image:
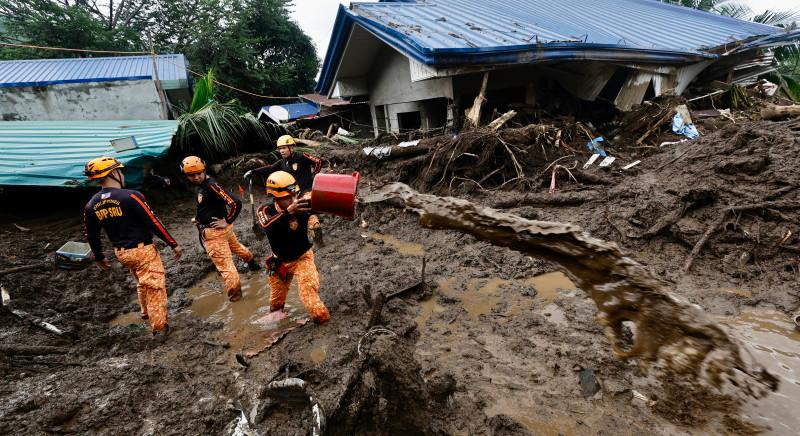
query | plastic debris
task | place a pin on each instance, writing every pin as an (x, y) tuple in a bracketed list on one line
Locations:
[(607, 161), (591, 160), (631, 165), (768, 88), (408, 143), (672, 142), (378, 152), (681, 128), (595, 148)]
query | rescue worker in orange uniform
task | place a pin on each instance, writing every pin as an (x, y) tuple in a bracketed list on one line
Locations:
[(285, 223), (302, 166), (216, 211), (130, 224)]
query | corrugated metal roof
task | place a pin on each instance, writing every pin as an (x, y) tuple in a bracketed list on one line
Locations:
[(321, 100), (53, 153), (281, 113), (39, 72), (465, 32)]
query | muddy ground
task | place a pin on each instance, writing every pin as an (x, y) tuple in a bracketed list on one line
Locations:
[(497, 343)]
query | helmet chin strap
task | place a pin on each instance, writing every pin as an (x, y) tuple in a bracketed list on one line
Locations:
[(114, 178)]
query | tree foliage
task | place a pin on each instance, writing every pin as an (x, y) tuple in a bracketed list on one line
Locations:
[(251, 44)]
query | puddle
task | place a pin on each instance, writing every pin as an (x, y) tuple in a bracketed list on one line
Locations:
[(402, 247), (548, 284), (771, 338), (317, 355), (130, 318), (427, 309), (247, 323)]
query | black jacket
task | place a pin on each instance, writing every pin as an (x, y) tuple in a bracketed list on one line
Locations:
[(213, 201), (287, 234), (126, 217), (302, 166)]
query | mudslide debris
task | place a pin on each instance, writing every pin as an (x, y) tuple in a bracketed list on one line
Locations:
[(674, 336)]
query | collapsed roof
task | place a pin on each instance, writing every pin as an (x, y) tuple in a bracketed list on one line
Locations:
[(442, 34)]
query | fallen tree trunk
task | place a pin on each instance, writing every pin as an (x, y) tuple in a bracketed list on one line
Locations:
[(773, 112)]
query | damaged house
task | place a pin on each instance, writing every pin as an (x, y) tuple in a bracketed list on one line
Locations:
[(421, 63), (100, 88)]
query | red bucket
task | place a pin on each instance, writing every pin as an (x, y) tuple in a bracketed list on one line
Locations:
[(335, 194)]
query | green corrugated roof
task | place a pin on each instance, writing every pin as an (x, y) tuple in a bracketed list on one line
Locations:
[(53, 153)]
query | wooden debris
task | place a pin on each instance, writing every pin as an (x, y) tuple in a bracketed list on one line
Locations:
[(506, 117), (474, 113), (773, 112)]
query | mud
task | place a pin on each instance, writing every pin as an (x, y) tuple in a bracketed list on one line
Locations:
[(494, 344), (675, 334)]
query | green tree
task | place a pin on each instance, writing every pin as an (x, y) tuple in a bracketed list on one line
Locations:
[(250, 44)]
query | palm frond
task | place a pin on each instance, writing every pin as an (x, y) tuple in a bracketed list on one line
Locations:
[(203, 92), (773, 17), (733, 9)]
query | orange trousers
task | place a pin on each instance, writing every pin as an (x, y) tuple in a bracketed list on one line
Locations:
[(148, 270), (220, 243), (308, 283)]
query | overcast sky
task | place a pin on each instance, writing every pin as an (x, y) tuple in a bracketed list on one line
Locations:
[(316, 16)]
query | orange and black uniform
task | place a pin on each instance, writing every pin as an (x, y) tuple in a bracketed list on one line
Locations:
[(302, 166), (213, 201), (288, 238), (130, 224)]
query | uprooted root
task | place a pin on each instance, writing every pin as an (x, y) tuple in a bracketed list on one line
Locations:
[(675, 335), (498, 159)]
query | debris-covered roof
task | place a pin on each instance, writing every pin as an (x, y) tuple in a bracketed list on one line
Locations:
[(53, 153), (468, 32), (281, 113), (41, 72), (321, 100)]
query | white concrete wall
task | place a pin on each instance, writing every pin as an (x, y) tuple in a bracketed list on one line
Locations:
[(120, 100), (390, 81), (390, 85)]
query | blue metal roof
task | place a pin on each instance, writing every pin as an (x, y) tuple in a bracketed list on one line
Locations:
[(289, 112), (39, 72), (464, 32), (53, 153)]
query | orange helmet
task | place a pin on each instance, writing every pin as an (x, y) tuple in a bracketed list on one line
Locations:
[(101, 167), (286, 141), (281, 184), (193, 165)]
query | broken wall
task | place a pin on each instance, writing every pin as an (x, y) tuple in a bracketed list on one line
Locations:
[(392, 93), (116, 100)]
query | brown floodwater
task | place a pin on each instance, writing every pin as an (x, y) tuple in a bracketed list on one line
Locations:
[(247, 325), (772, 339), (402, 247)]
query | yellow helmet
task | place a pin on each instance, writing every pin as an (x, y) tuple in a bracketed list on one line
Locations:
[(101, 167), (281, 184), (193, 165), (286, 141)]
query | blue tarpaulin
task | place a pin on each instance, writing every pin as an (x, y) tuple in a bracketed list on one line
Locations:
[(53, 153)]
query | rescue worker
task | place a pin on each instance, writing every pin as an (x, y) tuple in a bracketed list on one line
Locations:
[(302, 166), (216, 211), (130, 224), (285, 223)]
